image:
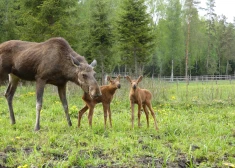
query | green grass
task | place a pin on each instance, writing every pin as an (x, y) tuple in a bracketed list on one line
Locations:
[(196, 129)]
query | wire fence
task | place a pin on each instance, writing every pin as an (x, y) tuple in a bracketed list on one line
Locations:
[(202, 78)]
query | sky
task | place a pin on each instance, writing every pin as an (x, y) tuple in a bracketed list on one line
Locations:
[(225, 7)]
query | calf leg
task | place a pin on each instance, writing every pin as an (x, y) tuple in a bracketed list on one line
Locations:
[(152, 113), (62, 94), (147, 114), (90, 115), (139, 114), (132, 114), (13, 82), (81, 112), (40, 84), (105, 108), (110, 116)]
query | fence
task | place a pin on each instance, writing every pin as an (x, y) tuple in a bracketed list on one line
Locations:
[(190, 78), (198, 78)]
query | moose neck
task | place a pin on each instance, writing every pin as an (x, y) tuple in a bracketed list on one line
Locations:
[(112, 89)]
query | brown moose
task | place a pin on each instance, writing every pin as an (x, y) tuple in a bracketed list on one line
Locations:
[(142, 97), (50, 62), (106, 98)]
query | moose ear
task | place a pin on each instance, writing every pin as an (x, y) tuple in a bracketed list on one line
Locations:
[(93, 64), (75, 61), (108, 78), (128, 78), (118, 77), (139, 79)]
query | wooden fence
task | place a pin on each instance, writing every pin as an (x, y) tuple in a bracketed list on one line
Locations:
[(190, 78)]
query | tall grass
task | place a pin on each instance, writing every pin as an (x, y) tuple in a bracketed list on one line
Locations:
[(196, 129)]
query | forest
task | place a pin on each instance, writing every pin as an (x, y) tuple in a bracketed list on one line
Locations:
[(150, 37)]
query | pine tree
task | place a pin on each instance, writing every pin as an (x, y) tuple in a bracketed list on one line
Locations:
[(7, 20), (42, 19), (211, 58), (190, 13), (135, 40), (101, 36)]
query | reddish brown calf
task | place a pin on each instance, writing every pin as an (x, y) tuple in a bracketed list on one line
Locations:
[(106, 98), (142, 97)]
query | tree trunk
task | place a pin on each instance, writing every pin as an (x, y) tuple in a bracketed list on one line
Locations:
[(227, 67), (187, 51), (136, 66), (172, 66), (219, 67), (102, 73)]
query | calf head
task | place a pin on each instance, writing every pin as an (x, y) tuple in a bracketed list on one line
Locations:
[(87, 80), (115, 83), (134, 83)]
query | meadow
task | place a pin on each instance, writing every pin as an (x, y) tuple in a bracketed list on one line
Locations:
[(196, 129)]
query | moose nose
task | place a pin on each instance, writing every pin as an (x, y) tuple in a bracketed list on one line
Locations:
[(96, 96), (118, 86), (134, 87)]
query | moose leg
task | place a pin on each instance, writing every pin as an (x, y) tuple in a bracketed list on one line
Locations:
[(132, 114), (139, 114), (90, 115), (81, 112), (110, 116), (62, 94), (13, 81), (152, 113), (147, 114), (40, 84), (105, 107)]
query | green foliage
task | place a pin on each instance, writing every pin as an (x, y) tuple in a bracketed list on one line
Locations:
[(7, 20), (134, 34), (138, 36), (96, 35), (101, 35), (41, 20)]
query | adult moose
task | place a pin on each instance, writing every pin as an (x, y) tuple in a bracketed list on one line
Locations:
[(50, 62)]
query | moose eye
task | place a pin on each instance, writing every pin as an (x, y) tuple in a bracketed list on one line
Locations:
[(84, 76)]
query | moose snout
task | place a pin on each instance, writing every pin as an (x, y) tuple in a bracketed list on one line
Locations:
[(134, 87), (94, 92), (119, 86), (97, 95)]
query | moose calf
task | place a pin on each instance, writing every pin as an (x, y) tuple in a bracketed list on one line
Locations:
[(106, 98), (142, 97)]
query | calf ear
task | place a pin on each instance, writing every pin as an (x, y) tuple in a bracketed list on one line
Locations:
[(128, 78), (93, 64), (108, 78), (139, 79), (118, 77)]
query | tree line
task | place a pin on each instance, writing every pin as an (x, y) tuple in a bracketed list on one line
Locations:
[(150, 37)]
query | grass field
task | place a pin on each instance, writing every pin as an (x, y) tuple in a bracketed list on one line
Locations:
[(196, 129)]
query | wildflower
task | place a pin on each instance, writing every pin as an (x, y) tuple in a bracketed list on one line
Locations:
[(31, 93), (17, 137), (74, 108), (173, 98), (57, 102), (24, 166)]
